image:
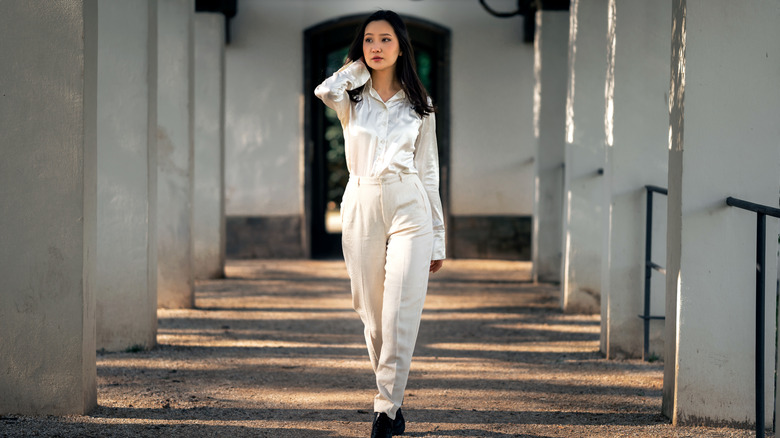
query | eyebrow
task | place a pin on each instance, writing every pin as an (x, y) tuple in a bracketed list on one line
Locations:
[(379, 34)]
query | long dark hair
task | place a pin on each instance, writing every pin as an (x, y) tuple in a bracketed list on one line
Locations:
[(405, 66)]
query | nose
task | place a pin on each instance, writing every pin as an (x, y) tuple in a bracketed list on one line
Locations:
[(375, 48)]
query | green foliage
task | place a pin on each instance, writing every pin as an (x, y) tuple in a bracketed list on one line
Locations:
[(423, 60), (335, 60), (137, 348), (336, 160)]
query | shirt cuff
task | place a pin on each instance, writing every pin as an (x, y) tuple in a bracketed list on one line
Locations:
[(439, 252), (357, 73)]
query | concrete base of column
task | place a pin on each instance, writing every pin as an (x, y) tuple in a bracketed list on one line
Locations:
[(175, 153), (637, 131), (585, 142), (208, 227), (48, 174), (127, 175), (724, 102), (550, 121)]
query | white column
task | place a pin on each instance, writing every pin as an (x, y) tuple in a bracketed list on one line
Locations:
[(175, 153), (585, 143), (126, 281), (208, 227), (636, 128), (723, 137), (48, 113), (550, 71)]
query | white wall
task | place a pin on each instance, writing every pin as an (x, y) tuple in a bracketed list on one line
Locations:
[(491, 127)]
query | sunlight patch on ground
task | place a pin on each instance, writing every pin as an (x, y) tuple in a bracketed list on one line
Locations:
[(548, 347), (564, 328), (260, 316), (180, 339)]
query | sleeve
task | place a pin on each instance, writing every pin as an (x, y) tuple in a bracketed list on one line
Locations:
[(333, 91), (426, 159)]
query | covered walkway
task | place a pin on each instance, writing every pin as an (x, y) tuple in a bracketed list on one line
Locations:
[(276, 351)]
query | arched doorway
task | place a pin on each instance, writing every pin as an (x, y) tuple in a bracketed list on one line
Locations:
[(325, 47)]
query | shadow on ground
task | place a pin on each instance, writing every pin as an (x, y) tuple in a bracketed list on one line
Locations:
[(275, 350)]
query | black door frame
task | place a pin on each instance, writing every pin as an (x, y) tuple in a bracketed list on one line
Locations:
[(331, 35)]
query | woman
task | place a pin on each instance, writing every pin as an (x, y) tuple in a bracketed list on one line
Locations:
[(392, 222)]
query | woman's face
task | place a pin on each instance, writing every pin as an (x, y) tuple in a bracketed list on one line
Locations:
[(380, 45)]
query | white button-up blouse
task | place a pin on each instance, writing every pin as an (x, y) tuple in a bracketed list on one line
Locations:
[(386, 137)]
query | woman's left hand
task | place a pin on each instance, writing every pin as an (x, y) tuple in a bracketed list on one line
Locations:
[(436, 265)]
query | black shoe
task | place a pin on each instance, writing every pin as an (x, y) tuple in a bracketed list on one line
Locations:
[(382, 427), (399, 424)]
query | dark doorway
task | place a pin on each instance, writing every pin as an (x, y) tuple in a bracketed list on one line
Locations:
[(325, 47)]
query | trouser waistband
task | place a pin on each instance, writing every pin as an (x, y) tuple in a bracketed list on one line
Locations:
[(382, 179)]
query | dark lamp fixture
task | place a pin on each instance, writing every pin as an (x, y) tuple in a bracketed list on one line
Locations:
[(528, 8), (226, 7)]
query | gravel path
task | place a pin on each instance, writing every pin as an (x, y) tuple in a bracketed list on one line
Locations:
[(277, 351)]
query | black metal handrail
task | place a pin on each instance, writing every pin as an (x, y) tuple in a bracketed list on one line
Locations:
[(650, 265), (762, 211)]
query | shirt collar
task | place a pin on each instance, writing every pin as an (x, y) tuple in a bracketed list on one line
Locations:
[(400, 95)]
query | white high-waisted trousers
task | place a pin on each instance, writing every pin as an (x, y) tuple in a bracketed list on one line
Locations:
[(387, 238)]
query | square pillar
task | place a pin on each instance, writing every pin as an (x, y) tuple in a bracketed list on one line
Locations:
[(585, 143), (723, 141), (175, 157), (550, 72), (48, 176), (637, 130), (127, 176), (208, 227)]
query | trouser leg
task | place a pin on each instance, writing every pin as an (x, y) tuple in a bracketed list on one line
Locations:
[(405, 288), (387, 240), (364, 245), (409, 247)]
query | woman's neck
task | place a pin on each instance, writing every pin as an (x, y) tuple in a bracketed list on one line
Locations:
[(385, 82)]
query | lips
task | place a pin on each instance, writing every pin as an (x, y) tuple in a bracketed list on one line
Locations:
[(377, 58)]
